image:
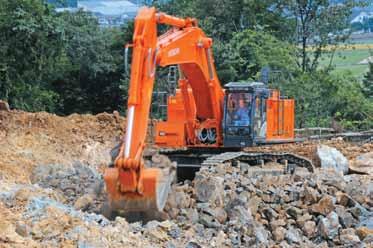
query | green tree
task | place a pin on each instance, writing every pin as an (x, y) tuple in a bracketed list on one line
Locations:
[(249, 51), (320, 96), (30, 43), (368, 83), (320, 24), (91, 66), (220, 19)]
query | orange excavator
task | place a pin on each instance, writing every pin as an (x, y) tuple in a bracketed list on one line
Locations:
[(201, 114)]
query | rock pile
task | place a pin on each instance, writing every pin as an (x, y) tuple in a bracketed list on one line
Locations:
[(303, 209), (223, 207), (81, 185)]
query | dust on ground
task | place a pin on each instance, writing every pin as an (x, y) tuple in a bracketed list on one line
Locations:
[(30, 139), (51, 189)]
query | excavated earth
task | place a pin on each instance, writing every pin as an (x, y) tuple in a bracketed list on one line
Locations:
[(51, 194)]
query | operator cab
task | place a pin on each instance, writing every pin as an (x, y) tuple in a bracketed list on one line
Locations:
[(245, 113)]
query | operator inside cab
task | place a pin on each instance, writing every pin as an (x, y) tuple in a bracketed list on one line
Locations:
[(242, 115), (239, 109)]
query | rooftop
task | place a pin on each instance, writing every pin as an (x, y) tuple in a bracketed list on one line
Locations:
[(108, 7)]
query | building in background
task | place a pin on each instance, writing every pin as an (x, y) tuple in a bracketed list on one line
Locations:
[(110, 13), (362, 23), (64, 3), (362, 17)]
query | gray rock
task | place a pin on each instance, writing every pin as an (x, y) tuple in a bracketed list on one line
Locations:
[(331, 158), (300, 174), (270, 214), (209, 189), (325, 177), (294, 212), (310, 195), (74, 181), (83, 202), (293, 236), (345, 200), (279, 234), (253, 204), (359, 212), (192, 244), (309, 229), (368, 240), (329, 226), (324, 206), (302, 219), (22, 229), (261, 235), (367, 222), (363, 164), (345, 218), (241, 215), (220, 215), (349, 238), (208, 221), (192, 215), (234, 238)]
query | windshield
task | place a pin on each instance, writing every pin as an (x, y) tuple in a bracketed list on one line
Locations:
[(239, 109)]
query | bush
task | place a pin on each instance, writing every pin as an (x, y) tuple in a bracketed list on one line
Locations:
[(321, 96)]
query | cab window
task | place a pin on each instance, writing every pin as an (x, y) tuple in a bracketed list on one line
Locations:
[(239, 109)]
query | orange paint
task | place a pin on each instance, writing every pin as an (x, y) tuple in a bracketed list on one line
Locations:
[(197, 104), (280, 118)]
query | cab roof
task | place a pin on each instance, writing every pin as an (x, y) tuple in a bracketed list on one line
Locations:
[(244, 86)]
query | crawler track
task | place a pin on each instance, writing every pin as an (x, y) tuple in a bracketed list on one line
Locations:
[(191, 160), (255, 157)]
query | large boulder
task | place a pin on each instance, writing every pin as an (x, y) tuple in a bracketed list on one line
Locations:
[(209, 189), (324, 206), (331, 158), (363, 164)]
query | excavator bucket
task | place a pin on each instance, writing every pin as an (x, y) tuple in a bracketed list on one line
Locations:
[(156, 186)]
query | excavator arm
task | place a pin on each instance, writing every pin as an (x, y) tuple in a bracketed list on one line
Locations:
[(131, 186)]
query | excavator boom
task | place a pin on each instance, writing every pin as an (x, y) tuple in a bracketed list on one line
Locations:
[(131, 186)]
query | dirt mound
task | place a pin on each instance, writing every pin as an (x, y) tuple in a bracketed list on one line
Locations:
[(30, 139)]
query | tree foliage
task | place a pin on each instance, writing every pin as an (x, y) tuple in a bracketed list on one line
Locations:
[(320, 24), (368, 83), (249, 51), (324, 96), (30, 41), (66, 62), (221, 19), (59, 62), (90, 66)]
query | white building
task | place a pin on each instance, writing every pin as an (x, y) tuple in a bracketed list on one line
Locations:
[(362, 16), (110, 12)]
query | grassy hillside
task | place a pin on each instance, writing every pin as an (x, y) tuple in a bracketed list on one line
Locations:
[(350, 58)]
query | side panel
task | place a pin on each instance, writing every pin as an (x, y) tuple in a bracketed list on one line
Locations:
[(280, 119), (171, 133)]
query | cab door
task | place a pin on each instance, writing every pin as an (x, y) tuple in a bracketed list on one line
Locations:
[(238, 119)]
